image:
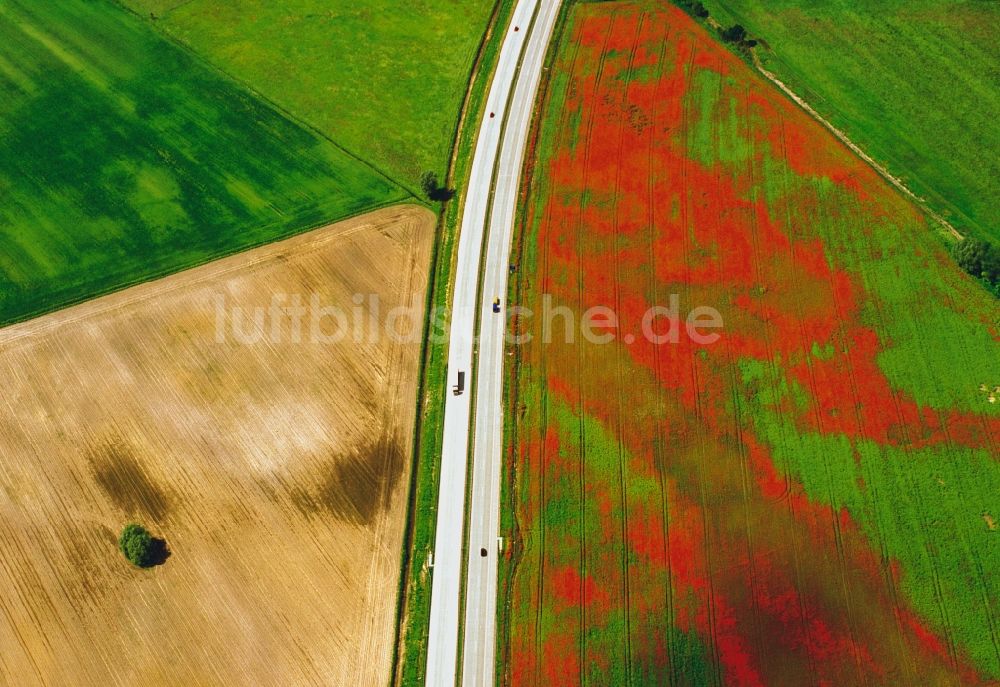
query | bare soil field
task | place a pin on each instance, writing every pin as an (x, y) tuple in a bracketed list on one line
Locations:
[(276, 472)]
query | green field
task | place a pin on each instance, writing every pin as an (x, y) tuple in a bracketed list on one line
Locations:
[(914, 82), (383, 78), (123, 158)]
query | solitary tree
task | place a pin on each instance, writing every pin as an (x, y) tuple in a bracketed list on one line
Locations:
[(429, 182), (433, 189), (139, 546), (980, 259)]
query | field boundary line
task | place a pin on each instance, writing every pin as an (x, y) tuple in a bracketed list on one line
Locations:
[(245, 85), (842, 136), (855, 148), (306, 241)]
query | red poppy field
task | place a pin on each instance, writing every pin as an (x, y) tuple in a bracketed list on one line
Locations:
[(811, 499)]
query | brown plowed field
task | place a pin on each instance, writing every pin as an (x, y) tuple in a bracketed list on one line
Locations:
[(276, 472)]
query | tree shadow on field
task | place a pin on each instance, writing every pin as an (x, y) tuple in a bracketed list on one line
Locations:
[(433, 188), (159, 552), (441, 194)]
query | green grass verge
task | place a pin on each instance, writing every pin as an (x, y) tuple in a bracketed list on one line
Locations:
[(415, 604), (125, 158), (384, 78), (913, 83)]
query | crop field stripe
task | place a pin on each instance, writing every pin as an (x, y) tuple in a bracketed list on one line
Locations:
[(712, 599), (592, 567), (758, 257), (659, 453), (912, 488), (374, 587), (586, 117), (915, 495), (627, 570), (699, 413), (988, 604), (738, 418), (582, 675), (834, 506), (818, 420), (546, 427)]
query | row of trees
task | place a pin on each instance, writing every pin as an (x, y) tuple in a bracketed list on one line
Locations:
[(694, 8), (980, 259), (735, 34)]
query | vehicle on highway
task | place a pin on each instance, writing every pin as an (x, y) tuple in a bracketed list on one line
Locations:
[(471, 450), (496, 304), (460, 384)]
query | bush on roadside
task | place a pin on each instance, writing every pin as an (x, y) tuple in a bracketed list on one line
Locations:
[(433, 188), (734, 34)]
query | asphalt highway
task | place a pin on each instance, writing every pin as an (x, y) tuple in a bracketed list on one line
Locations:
[(487, 223)]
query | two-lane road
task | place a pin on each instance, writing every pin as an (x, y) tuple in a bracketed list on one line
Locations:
[(488, 219)]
